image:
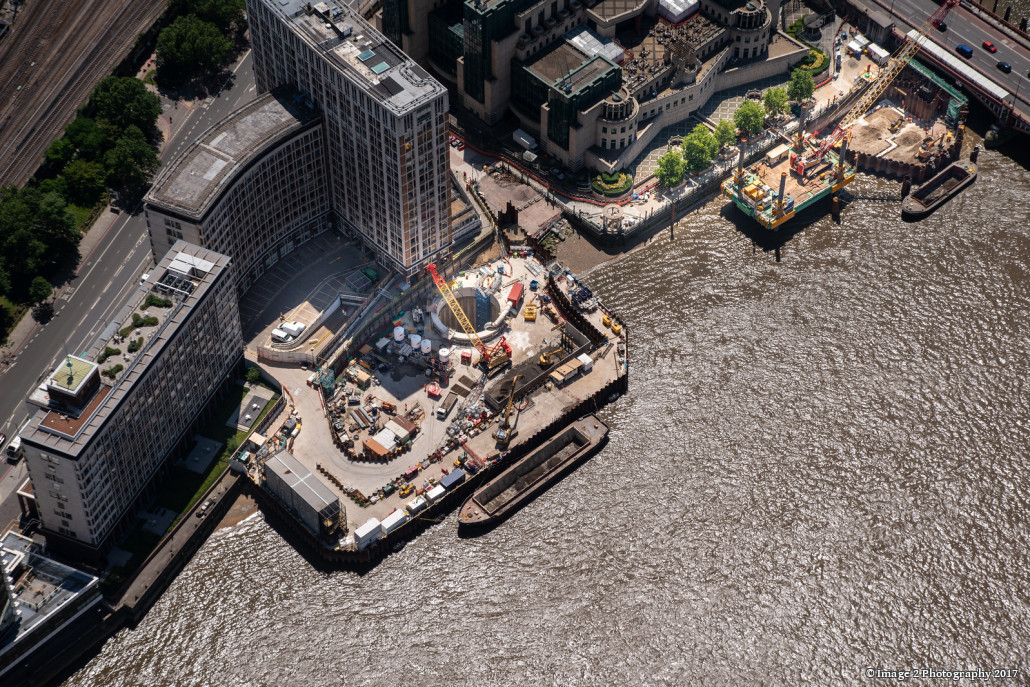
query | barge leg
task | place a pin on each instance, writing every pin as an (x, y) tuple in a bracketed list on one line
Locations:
[(835, 209)]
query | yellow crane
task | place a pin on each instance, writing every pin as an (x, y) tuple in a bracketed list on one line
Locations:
[(504, 434), (897, 63), (494, 357)]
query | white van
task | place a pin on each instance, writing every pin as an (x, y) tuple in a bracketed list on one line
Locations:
[(14, 448), (280, 336), (292, 328)]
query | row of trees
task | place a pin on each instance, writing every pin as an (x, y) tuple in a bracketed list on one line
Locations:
[(200, 37), (701, 145), (108, 145)]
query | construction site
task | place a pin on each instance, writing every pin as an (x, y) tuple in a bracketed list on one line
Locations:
[(912, 140), (486, 366)]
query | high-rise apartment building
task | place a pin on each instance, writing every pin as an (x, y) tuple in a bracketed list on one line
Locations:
[(253, 187), (118, 416), (384, 121)]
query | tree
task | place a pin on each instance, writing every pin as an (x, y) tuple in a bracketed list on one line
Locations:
[(131, 161), (221, 13), (39, 290), (697, 155), (125, 101), (253, 375), (189, 44), (86, 181), (37, 228), (670, 168), (725, 133), (749, 117), (60, 152), (89, 139), (801, 86), (775, 100)]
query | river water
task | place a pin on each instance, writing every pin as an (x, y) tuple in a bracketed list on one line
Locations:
[(821, 467)]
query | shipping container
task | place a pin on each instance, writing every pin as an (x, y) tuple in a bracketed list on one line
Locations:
[(393, 521), (368, 533)]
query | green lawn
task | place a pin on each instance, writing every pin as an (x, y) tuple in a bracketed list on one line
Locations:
[(80, 214), (182, 488)]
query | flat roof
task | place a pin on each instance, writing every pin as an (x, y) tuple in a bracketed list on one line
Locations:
[(607, 9), (61, 432), (550, 66), (41, 585), (302, 481), (356, 48), (192, 181), (72, 373)]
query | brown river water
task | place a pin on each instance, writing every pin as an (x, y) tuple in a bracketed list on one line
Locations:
[(821, 468)]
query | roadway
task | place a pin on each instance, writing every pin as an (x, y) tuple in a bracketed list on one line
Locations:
[(104, 280), (966, 27)]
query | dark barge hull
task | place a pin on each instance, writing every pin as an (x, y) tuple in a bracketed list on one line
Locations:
[(492, 503), (951, 181)]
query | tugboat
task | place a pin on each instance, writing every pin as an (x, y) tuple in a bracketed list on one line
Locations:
[(947, 184)]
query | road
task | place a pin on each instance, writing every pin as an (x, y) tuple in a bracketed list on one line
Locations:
[(103, 282), (965, 27)]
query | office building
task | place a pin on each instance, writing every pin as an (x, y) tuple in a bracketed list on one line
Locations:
[(384, 124), (594, 80), (118, 417)]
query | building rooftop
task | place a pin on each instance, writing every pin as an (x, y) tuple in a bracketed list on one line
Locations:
[(355, 47), (302, 481), (181, 279), (72, 374), (607, 9), (563, 61), (193, 181), (40, 585)]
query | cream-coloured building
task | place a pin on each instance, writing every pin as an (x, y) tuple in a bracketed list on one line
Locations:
[(113, 422), (593, 80), (253, 187)]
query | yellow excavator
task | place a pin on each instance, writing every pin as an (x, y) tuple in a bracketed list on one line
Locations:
[(545, 357), (504, 432)]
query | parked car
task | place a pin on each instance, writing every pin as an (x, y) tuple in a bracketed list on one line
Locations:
[(990, 47), (1005, 67), (144, 278), (202, 511), (965, 51)]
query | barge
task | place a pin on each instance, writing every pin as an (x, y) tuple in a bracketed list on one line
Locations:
[(951, 181), (533, 474), (754, 189)]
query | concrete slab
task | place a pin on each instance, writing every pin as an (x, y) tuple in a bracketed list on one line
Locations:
[(157, 521), (252, 404), (119, 558), (202, 454)]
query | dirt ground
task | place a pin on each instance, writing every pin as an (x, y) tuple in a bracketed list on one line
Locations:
[(872, 135), (240, 510)]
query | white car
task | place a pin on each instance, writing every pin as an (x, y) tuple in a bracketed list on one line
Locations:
[(144, 278)]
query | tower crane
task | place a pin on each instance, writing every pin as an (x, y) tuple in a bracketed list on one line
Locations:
[(494, 357), (894, 67)]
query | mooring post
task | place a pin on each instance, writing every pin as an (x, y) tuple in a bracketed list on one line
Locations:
[(906, 186), (835, 209)]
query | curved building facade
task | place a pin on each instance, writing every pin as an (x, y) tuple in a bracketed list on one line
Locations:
[(253, 186)]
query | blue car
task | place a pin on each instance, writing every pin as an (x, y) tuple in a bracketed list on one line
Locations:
[(965, 51)]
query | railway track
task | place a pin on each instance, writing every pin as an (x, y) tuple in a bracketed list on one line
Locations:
[(73, 43)]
